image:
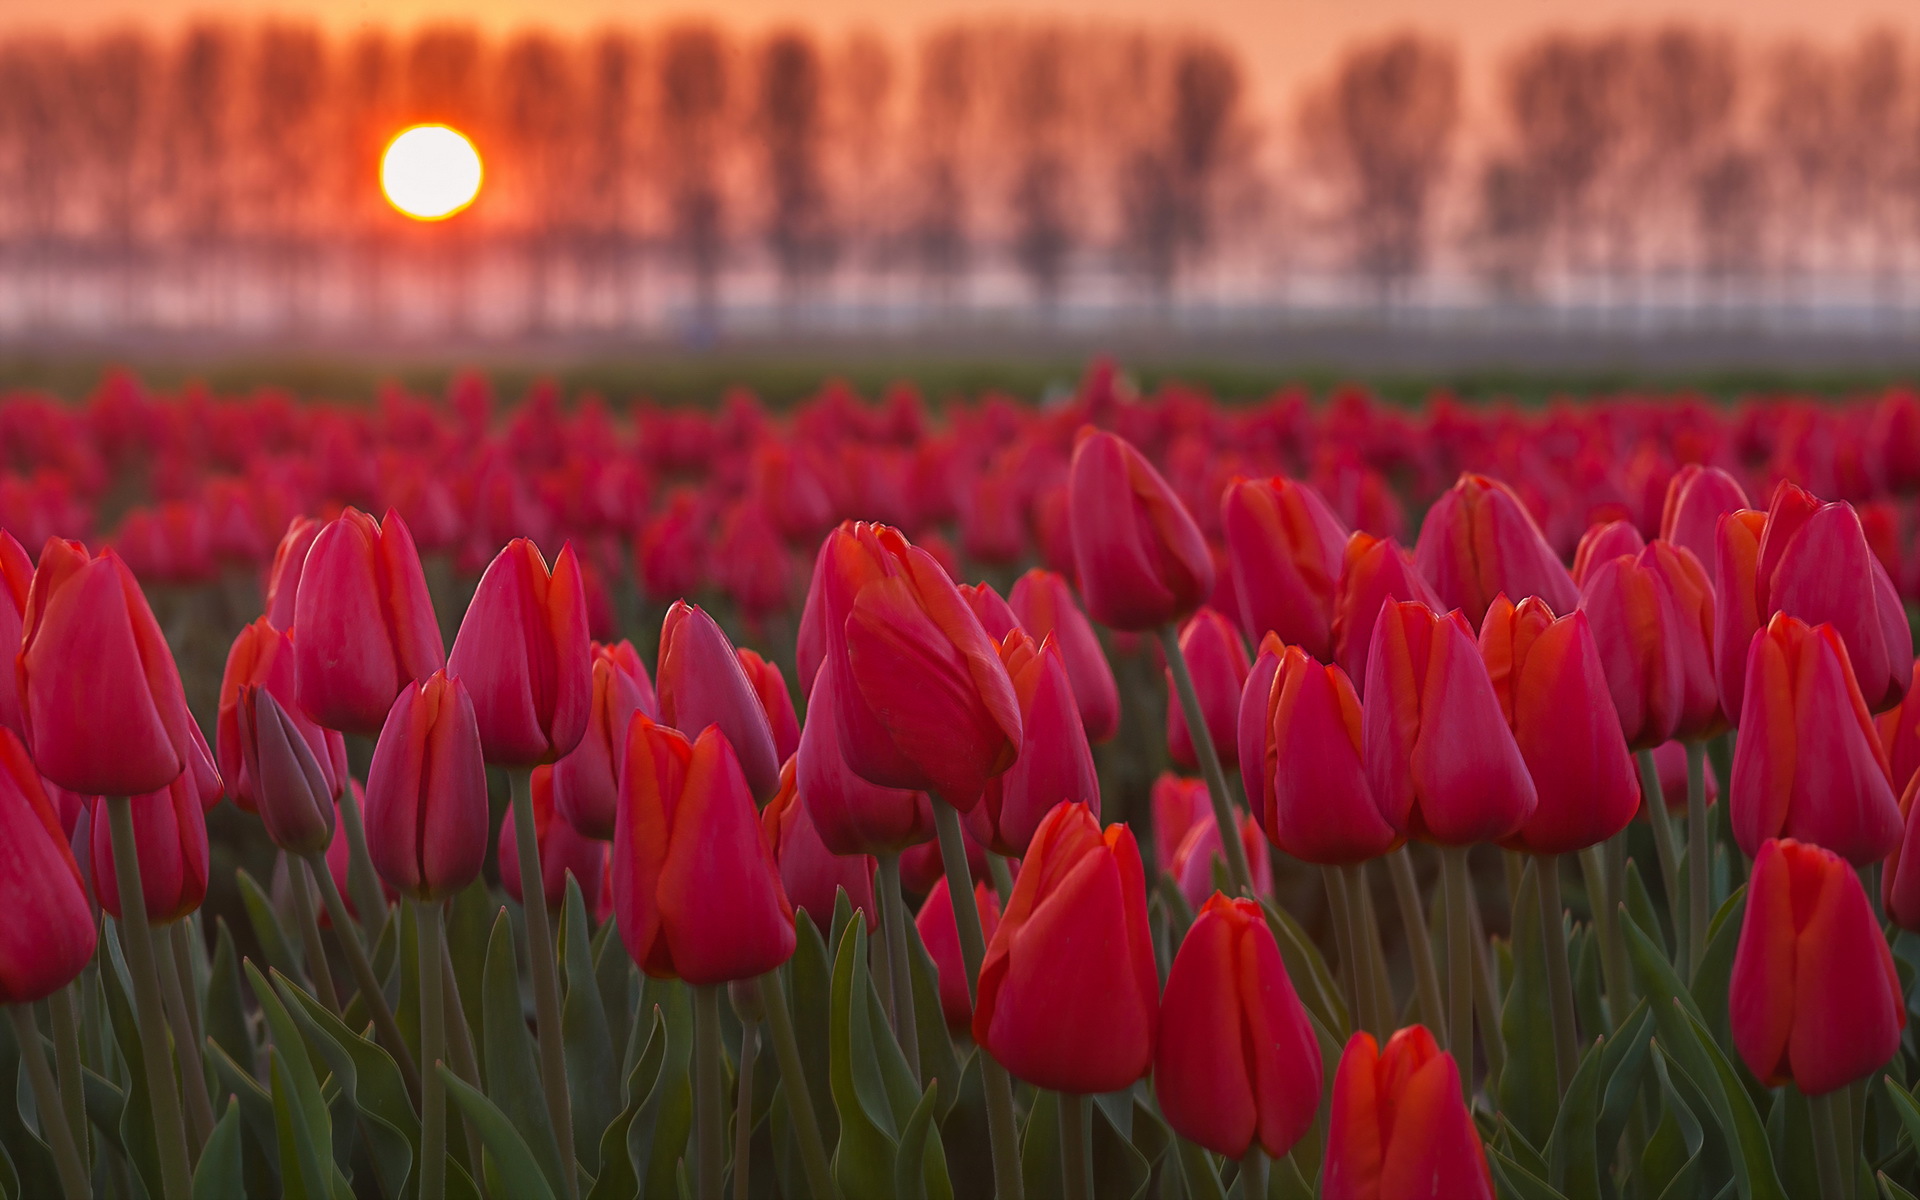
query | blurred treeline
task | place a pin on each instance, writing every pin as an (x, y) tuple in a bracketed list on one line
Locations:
[(224, 176)]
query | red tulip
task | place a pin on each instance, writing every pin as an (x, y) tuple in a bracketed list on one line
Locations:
[(1603, 543), (1810, 765), (16, 579), (426, 797), (921, 699), (1286, 548), (1302, 760), (1478, 541), (696, 893), (852, 815), (586, 783), (1813, 997), (1043, 604), (1736, 603), (1697, 497), (1238, 1062), (770, 687), (525, 658), (367, 627), (1194, 859), (1076, 924), (1653, 625), (563, 851), (50, 929), (813, 875), (1547, 675), (1397, 1128), (995, 617), (170, 830), (99, 693), (1376, 570), (940, 934), (1670, 763), (1900, 734), (1141, 559), (1178, 805), (294, 788), (702, 681), (262, 657), (1055, 762), (1218, 662), (289, 560), (1441, 759)]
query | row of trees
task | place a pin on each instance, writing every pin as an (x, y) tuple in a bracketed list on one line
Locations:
[(231, 169)]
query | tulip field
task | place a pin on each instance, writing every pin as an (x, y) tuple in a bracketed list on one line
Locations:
[(1140, 796)]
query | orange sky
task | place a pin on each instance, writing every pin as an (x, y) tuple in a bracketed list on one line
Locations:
[(1284, 40)]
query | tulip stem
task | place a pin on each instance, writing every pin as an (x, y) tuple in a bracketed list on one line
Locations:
[(75, 1182), (1358, 1010), (743, 1108), (709, 1106), (459, 1043), (348, 935), (1002, 875), (1426, 977), (893, 915), (793, 1074), (1553, 933), (169, 1131), (181, 943), (1699, 852), (1002, 1134), (310, 935), (1592, 871), (1655, 803), (433, 1041), (1460, 964), (67, 1063), (1216, 776), (1076, 1146), (361, 879), (193, 1075), (1253, 1173), (1828, 1157), (1366, 930), (1488, 995), (546, 978)]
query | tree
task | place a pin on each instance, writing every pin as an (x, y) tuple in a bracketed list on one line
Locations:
[(789, 122), (289, 87), (1172, 180), (112, 96), (1566, 107), (539, 123), (943, 110), (693, 104)]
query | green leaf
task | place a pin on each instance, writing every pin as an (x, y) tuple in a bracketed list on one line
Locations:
[(657, 1140), (586, 1036), (470, 921), (617, 1179), (1529, 1088), (509, 1062), (226, 1003), (938, 1060), (1120, 1169), (1641, 910), (1312, 979), (220, 1174), (1892, 1190), (136, 1119), (520, 1175), (1672, 1161), (809, 986), (106, 1105), (1197, 1169), (373, 1086), (863, 1163), (1908, 1110), (275, 947), (909, 1183), (305, 1168), (1623, 1069), (256, 1113), (1040, 1162), (1573, 1157), (1712, 981), (1515, 1182)]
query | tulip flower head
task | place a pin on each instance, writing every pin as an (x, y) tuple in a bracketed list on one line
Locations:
[(1218, 662), (283, 578), (586, 783), (1042, 602), (1055, 762), (1697, 497), (293, 787), (702, 681), (16, 579), (563, 851), (49, 934), (262, 661), (851, 815), (1478, 540), (426, 794), (1652, 621), (525, 658), (1397, 1127), (813, 875), (770, 686), (1286, 549), (940, 933), (1237, 1062), (1141, 559), (1200, 856), (1375, 571), (170, 829), (1813, 998)]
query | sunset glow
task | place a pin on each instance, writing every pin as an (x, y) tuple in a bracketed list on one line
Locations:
[(430, 172)]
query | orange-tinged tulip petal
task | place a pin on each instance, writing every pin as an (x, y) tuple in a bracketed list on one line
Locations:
[(1141, 559)]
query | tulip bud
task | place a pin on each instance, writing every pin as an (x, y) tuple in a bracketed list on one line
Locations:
[(367, 627), (525, 658), (813, 875), (1218, 662), (1814, 997), (283, 579), (1201, 852), (1076, 924), (1813, 769), (1653, 627), (1376, 570), (940, 933), (1547, 675), (1286, 549), (1736, 602), (1603, 543), (1441, 758), (1478, 540), (1900, 735), (1238, 1062), (852, 815), (293, 788), (1178, 805), (696, 893), (995, 617), (586, 783), (1055, 763), (1043, 604), (426, 797), (51, 929), (263, 657), (1397, 1127), (16, 579), (702, 682), (170, 830), (1141, 559), (563, 851), (1303, 762), (1697, 497), (770, 687), (921, 699)]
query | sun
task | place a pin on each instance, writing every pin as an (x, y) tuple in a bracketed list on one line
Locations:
[(430, 172)]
